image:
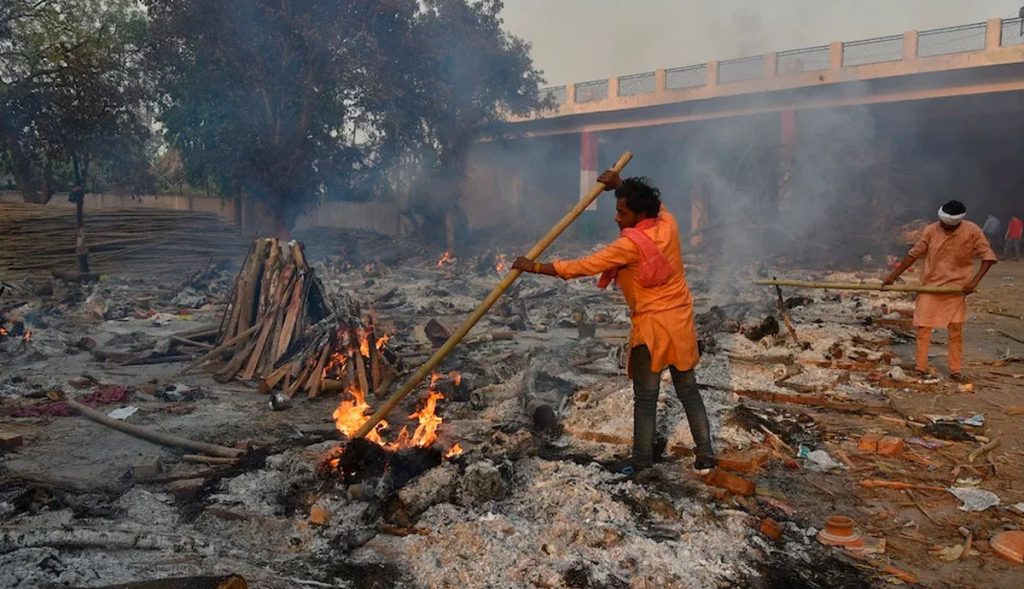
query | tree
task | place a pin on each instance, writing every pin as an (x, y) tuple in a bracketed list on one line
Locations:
[(289, 100), (72, 91)]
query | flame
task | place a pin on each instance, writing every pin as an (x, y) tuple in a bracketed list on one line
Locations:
[(426, 431), (27, 336), (364, 342), (351, 415), (453, 451), (3, 331), (456, 377), (501, 263), (382, 341), (335, 364), (446, 259)]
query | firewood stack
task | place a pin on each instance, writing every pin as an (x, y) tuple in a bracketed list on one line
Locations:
[(282, 328)]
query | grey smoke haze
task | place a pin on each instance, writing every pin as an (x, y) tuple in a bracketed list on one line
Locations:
[(577, 40)]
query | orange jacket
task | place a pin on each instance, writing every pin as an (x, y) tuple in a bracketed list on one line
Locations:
[(662, 316)]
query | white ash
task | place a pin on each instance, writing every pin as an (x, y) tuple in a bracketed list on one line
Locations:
[(561, 515)]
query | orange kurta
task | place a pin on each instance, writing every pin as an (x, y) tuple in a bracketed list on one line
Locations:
[(948, 261), (662, 316)]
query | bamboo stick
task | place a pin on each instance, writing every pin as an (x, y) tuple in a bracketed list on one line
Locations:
[(153, 436), (487, 303), (863, 286)]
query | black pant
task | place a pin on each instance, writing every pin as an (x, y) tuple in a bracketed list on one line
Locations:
[(646, 385)]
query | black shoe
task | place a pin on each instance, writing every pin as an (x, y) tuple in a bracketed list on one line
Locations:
[(704, 464)]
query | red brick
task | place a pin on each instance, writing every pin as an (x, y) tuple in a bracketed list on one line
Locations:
[(731, 483), (771, 528), (1009, 545), (890, 446), (186, 489), (869, 442), (743, 461)]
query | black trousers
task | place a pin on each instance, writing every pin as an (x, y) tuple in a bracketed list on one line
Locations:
[(646, 385)]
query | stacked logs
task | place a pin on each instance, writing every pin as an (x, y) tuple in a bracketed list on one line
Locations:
[(280, 327)]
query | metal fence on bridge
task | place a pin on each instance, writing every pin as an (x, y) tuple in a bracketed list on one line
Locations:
[(962, 39), (812, 59), (637, 84), (869, 51), (690, 76), (591, 91)]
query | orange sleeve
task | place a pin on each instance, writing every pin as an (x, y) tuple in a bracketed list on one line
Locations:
[(617, 254), (982, 249), (921, 247)]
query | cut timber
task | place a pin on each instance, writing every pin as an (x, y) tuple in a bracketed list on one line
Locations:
[(861, 286), (282, 329), (12, 539), (229, 582), (152, 436)]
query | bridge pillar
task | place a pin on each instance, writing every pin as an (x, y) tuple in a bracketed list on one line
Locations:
[(771, 65), (835, 56), (993, 33), (712, 80), (787, 150), (570, 93), (659, 81), (910, 46)]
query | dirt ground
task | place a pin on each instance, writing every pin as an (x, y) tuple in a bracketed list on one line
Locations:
[(547, 514)]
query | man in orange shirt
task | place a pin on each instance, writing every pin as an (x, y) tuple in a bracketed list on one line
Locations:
[(1014, 232), (949, 247), (646, 261)]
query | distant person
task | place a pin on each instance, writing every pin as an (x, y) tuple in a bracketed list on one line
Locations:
[(949, 248), (1014, 231), (991, 229), (646, 262)]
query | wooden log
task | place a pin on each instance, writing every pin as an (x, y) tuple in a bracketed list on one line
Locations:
[(268, 383), (201, 582), (862, 286), (197, 458), (898, 485), (316, 379), (219, 349), (188, 342), (229, 370), (153, 436), (17, 538), (298, 380), (360, 368)]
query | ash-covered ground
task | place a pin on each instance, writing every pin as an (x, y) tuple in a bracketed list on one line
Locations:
[(527, 503)]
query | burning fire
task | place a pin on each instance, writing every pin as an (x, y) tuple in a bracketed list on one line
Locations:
[(364, 342), (445, 260), (335, 364), (351, 414), (3, 331), (501, 263), (382, 341), (27, 336)]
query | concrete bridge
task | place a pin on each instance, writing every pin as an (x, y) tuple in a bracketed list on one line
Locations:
[(972, 59), (944, 106)]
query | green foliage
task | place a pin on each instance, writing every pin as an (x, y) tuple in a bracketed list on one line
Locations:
[(73, 92), (290, 100)]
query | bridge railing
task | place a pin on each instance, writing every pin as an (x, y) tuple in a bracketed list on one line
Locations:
[(1012, 33), (962, 39), (812, 59), (644, 83), (913, 45)]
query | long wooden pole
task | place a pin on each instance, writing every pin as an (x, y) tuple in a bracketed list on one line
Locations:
[(487, 303), (862, 286), (154, 436)]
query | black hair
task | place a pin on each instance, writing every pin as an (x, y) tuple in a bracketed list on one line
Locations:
[(954, 207), (640, 196)]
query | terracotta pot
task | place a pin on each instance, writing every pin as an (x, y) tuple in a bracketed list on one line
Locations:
[(1009, 545), (839, 532)]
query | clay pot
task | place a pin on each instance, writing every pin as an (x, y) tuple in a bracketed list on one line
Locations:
[(839, 532)]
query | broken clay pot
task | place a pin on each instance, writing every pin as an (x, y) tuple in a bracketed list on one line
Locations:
[(839, 532), (1009, 545)]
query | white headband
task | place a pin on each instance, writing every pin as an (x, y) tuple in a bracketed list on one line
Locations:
[(951, 219)]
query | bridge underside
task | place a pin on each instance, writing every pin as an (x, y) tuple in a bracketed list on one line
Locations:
[(880, 158)]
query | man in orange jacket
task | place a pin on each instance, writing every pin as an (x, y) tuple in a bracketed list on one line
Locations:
[(646, 262)]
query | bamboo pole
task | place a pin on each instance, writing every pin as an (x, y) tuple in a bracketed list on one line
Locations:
[(153, 436), (487, 303), (863, 286)]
